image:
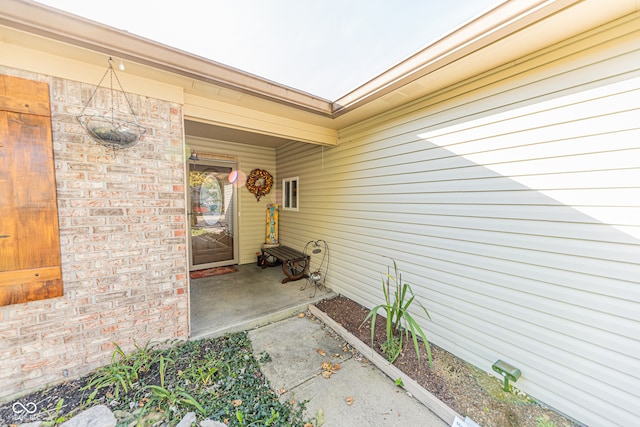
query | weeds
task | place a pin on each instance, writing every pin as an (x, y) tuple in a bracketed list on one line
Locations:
[(544, 421), (205, 372), (265, 422), (56, 418)]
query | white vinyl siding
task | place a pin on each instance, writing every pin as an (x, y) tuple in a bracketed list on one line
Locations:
[(252, 214), (511, 203)]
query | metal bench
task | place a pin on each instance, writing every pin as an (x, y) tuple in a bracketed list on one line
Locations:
[(295, 264)]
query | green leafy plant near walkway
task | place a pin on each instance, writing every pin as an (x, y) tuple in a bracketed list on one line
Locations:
[(400, 324), (54, 418), (219, 379), (164, 398), (119, 376)]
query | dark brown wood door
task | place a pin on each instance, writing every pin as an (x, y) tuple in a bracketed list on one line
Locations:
[(29, 233)]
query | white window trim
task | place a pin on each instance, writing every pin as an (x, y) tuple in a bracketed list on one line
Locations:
[(286, 201)]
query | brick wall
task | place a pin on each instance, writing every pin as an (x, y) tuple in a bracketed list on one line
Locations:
[(123, 243)]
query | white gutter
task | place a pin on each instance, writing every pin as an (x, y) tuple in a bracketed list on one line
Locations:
[(505, 19), (58, 25)]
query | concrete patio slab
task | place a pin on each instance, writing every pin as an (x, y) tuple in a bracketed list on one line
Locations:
[(246, 299)]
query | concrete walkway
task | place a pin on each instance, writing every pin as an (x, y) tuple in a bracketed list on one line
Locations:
[(295, 370)]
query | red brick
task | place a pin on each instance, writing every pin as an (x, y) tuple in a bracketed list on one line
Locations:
[(36, 365), (117, 271)]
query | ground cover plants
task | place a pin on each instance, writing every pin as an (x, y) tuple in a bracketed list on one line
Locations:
[(218, 379)]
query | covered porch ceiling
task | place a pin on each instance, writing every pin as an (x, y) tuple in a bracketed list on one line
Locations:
[(209, 131), (224, 103)]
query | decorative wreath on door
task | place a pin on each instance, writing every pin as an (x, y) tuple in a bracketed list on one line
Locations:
[(259, 183)]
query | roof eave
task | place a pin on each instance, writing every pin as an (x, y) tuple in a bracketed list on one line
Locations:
[(489, 30), (29, 16), (505, 19)]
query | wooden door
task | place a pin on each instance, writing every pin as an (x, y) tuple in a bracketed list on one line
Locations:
[(30, 267)]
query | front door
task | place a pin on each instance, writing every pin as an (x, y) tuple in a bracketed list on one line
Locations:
[(212, 215)]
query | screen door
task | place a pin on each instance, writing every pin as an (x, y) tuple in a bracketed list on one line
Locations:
[(212, 214)]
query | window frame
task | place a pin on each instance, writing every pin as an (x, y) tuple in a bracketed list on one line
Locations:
[(291, 194)]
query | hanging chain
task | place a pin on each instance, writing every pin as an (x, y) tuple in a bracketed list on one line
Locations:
[(112, 73), (133, 113), (96, 89)]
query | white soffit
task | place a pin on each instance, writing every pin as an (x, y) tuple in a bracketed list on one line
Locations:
[(510, 31), (437, 67), (45, 21)]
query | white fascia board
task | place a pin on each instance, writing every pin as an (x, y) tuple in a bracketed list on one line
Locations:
[(233, 116)]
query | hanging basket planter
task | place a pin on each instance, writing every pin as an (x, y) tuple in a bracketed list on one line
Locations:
[(112, 133), (109, 130)]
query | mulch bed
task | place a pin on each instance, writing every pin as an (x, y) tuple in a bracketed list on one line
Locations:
[(464, 388)]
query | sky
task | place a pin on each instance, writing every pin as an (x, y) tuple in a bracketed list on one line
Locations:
[(323, 47)]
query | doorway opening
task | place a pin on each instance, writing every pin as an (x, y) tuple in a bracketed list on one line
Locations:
[(213, 213)]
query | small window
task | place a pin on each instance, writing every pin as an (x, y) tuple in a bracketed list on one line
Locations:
[(290, 189)]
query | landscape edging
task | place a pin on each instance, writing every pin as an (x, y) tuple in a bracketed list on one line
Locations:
[(439, 408)]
